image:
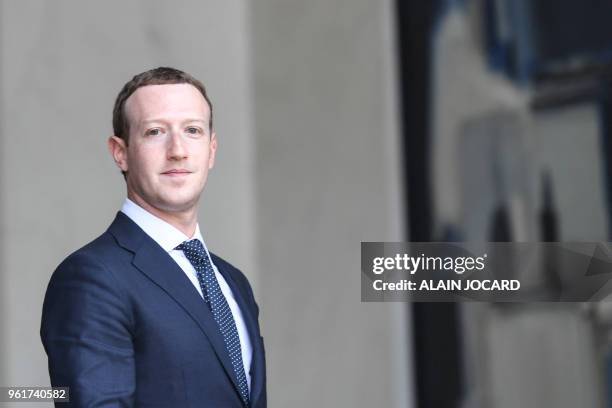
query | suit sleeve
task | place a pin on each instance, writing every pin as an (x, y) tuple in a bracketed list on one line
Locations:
[(86, 330)]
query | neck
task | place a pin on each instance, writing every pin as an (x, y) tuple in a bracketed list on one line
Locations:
[(185, 221)]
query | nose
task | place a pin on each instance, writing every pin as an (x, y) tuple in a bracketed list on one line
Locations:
[(176, 147)]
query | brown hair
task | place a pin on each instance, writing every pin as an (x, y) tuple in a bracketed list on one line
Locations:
[(156, 76)]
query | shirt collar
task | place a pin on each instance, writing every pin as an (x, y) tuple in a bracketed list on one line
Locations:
[(166, 235)]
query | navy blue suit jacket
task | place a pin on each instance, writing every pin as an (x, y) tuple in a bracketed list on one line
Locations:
[(123, 326)]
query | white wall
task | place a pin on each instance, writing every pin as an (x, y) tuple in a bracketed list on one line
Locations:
[(62, 65), (304, 98), (327, 178)]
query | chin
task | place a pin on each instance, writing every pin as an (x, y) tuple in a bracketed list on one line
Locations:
[(176, 204)]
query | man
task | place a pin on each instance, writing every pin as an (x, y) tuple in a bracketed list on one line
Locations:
[(144, 315)]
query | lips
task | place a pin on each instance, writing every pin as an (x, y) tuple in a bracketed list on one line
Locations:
[(176, 172)]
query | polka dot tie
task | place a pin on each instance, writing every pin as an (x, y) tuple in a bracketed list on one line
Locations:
[(195, 253)]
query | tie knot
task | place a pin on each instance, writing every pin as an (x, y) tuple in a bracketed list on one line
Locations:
[(193, 250)]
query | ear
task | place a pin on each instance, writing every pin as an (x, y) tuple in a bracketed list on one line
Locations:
[(118, 149), (212, 150)]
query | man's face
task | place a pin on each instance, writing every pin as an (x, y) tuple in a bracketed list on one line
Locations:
[(170, 149)]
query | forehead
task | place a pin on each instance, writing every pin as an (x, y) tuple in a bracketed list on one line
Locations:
[(166, 102)]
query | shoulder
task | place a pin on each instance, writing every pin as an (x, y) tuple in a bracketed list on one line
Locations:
[(87, 276), (91, 259), (84, 294), (229, 268)]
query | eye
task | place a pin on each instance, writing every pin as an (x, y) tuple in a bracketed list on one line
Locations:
[(193, 130), (154, 132)]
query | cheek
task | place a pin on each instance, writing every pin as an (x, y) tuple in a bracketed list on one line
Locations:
[(209, 154), (200, 154), (146, 161)]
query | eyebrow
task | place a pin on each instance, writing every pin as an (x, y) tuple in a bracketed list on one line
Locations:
[(204, 121)]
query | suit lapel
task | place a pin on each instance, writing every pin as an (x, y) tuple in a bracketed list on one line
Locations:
[(257, 363), (155, 263)]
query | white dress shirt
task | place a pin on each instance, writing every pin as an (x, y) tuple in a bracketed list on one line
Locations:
[(168, 237)]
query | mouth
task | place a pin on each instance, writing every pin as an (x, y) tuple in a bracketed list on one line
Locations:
[(176, 173)]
